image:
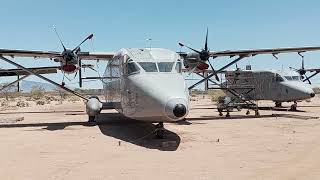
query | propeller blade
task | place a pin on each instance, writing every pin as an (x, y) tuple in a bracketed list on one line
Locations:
[(55, 30), (183, 45), (206, 43), (89, 37), (302, 66)]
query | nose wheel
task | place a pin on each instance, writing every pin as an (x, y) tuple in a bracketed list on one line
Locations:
[(92, 121), (159, 131)]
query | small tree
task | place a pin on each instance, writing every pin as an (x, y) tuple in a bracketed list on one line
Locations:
[(37, 92), (8, 90)]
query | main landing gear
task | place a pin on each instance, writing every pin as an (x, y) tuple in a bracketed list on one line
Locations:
[(278, 104), (294, 106), (159, 131)]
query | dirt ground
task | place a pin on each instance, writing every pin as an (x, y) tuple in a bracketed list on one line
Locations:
[(54, 142)]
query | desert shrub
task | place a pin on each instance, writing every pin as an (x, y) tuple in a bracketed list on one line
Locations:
[(4, 103), (40, 102), (73, 99), (37, 92), (216, 94), (316, 90), (22, 104)]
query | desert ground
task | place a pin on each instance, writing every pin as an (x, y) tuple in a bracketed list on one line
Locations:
[(53, 141)]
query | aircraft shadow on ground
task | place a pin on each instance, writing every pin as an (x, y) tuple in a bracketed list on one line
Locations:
[(260, 108), (46, 112), (235, 117), (136, 132), (119, 127)]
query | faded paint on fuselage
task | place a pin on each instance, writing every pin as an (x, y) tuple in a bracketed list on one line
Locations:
[(279, 86), (146, 96)]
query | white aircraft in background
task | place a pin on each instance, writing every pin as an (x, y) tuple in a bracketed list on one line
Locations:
[(142, 84)]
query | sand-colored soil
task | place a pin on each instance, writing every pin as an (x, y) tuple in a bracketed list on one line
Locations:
[(54, 142)]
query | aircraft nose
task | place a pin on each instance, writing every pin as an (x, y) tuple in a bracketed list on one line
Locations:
[(176, 108), (179, 110), (312, 94)]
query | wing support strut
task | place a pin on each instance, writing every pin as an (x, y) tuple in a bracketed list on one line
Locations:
[(42, 77), (218, 71), (14, 82)]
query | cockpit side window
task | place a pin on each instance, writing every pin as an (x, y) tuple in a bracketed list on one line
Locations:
[(149, 66), (132, 68), (279, 78), (165, 66), (178, 66)]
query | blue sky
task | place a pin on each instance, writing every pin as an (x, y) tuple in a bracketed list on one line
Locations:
[(232, 25)]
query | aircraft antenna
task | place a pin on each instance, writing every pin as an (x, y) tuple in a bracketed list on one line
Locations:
[(150, 42)]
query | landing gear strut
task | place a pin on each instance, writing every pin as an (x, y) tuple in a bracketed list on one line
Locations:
[(92, 121), (294, 106), (159, 131), (278, 104)]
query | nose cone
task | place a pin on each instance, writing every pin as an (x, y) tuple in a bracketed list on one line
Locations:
[(176, 108), (299, 90), (163, 97), (180, 110)]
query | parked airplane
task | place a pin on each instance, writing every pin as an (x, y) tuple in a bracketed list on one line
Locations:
[(142, 84), (278, 86)]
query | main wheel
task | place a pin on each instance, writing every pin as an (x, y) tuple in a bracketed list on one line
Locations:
[(92, 121)]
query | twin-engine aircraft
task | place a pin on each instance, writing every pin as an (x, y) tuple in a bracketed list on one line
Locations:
[(141, 83)]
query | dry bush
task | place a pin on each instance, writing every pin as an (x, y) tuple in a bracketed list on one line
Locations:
[(40, 103), (4, 103), (74, 99), (316, 90), (216, 94), (22, 104), (37, 93)]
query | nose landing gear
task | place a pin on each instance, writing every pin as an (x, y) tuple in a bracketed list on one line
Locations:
[(92, 121), (159, 131)]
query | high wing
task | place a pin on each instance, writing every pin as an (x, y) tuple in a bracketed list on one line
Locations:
[(312, 70), (54, 55), (254, 52), (19, 72)]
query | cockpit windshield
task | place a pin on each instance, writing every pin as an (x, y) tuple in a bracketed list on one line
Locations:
[(165, 66), (149, 66), (292, 78)]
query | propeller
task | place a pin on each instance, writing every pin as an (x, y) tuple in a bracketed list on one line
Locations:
[(204, 55), (77, 49), (302, 71)]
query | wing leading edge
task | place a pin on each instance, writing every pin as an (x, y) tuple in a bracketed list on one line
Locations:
[(254, 52), (55, 55)]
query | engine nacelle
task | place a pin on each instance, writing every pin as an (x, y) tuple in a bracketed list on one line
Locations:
[(192, 60), (69, 68), (93, 106)]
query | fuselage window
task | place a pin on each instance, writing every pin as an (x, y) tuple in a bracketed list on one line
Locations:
[(178, 67), (165, 66), (289, 78), (132, 68), (292, 78), (149, 66)]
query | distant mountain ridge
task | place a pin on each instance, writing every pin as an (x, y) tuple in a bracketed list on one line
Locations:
[(26, 86)]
